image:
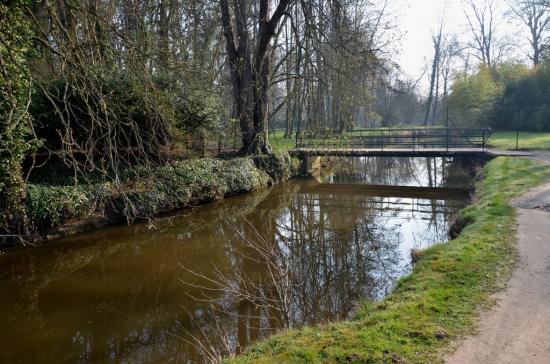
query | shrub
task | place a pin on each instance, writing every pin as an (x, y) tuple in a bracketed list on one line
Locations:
[(278, 166), (149, 191), (49, 205), (118, 109)]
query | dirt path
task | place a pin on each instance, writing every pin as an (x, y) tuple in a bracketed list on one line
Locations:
[(517, 330)]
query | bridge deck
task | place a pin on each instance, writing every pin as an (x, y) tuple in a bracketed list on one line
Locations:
[(405, 152)]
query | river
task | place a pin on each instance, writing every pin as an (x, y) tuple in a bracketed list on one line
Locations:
[(207, 281)]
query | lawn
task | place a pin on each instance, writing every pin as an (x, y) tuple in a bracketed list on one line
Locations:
[(527, 140), (438, 302), (279, 143)]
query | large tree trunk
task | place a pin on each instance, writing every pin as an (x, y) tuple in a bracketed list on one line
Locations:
[(251, 74)]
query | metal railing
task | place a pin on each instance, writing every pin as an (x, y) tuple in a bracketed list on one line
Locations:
[(411, 138)]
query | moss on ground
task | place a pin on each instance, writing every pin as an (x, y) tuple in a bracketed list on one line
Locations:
[(434, 305)]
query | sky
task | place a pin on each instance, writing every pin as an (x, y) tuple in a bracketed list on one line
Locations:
[(417, 20)]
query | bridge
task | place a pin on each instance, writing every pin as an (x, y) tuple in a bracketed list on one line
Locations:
[(403, 142)]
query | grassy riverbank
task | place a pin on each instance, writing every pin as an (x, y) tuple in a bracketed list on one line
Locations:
[(438, 302)]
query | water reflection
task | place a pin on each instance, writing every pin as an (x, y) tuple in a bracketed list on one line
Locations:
[(223, 275), (427, 172)]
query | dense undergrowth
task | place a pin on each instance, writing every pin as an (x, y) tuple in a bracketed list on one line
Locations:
[(438, 302), (151, 191)]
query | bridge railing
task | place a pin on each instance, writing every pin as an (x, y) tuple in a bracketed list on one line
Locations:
[(411, 138)]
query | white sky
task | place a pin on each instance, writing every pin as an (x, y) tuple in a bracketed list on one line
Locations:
[(417, 20)]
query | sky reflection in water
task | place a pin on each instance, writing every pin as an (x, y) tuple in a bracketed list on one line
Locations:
[(298, 253)]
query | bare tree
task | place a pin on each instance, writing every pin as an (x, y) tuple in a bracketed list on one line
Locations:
[(431, 106), (489, 47), (535, 14), (330, 63), (451, 52)]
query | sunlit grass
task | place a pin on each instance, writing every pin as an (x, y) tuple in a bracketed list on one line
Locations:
[(279, 143), (527, 140), (438, 302)]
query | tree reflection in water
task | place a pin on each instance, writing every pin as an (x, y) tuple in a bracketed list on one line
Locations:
[(313, 261), (221, 276)]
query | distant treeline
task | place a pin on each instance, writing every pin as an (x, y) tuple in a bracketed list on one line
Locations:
[(505, 97)]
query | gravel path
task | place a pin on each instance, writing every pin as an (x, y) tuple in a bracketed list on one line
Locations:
[(517, 329)]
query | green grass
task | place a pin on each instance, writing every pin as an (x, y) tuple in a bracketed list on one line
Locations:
[(527, 140), (279, 143), (438, 302)]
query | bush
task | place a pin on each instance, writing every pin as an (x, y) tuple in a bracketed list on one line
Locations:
[(121, 110), (196, 107), (279, 166), (49, 205), (190, 182), (504, 98), (473, 96), (240, 175)]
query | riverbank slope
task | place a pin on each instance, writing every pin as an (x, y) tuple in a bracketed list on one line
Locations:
[(57, 209)]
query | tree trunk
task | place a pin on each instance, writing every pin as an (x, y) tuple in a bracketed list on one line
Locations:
[(251, 74), (164, 48)]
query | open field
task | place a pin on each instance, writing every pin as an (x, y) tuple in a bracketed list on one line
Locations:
[(527, 140)]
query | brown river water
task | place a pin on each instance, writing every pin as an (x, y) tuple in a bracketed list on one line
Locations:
[(208, 281)]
